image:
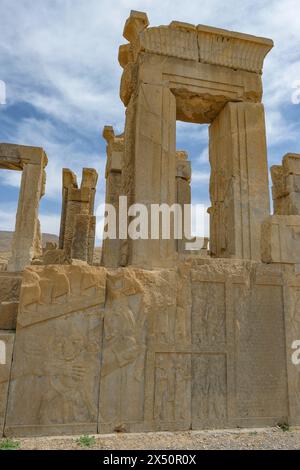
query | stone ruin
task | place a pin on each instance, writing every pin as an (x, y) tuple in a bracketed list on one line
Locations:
[(158, 338)]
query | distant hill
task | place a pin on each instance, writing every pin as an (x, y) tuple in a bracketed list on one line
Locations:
[(6, 240)]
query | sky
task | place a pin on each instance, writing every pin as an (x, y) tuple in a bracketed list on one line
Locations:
[(59, 62)]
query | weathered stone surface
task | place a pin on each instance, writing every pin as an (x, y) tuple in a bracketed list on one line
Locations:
[(6, 352), (204, 75), (111, 247), (182, 362), (170, 341), (183, 187), (286, 185), (239, 181), (55, 377), (198, 43), (292, 334), (8, 315), (77, 226), (201, 345), (10, 284), (27, 237), (280, 235)]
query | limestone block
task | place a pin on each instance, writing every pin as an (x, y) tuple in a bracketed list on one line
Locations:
[(197, 371), (239, 180), (154, 167), (183, 168), (55, 376), (230, 49), (124, 354), (136, 22), (80, 242), (201, 89), (68, 180), (278, 188), (111, 248), (53, 256), (198, 346), (292, 335), (280, 236), (15, 157), (91, 240), (10, 284), (288, 205), (260, 370), (170, 41), (77, 227), (202, 43), (23, 246), (31, 161), (291, 164), (8, 315), (6, 347)]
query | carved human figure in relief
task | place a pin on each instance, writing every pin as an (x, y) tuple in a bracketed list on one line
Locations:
[(123, 353), (164, 388), (68, 362), (182, 364), (211, 391)]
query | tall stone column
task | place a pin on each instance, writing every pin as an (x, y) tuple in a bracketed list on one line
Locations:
[(111, 248), (183, 186), (154, 162), (69, 180), (26, 228), (239, 181)]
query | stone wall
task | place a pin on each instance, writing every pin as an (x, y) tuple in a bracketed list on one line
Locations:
[(100, 350)]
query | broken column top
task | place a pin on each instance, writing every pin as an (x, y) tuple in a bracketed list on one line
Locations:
[(69, 178), (136, 23), (89, 178), (14, 157), (200, 43), (183, 167), (110, 136), (115, 148), (181, 154)]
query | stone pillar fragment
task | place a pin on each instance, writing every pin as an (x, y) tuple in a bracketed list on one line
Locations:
[(80, 242), (6, 353), (239, 181), (154, 162), (77, 229), (183, 186), (111, 248), (24, 247), (286, 185), (69, 181)]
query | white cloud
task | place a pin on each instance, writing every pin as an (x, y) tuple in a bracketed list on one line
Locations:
[(200, 176), (8, 216), (203, 157), (10, 178), (60, 56)]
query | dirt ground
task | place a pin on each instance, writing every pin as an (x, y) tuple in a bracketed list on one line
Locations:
[(271, 438)]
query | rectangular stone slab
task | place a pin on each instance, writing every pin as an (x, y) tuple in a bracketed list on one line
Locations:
[(6, 352)]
